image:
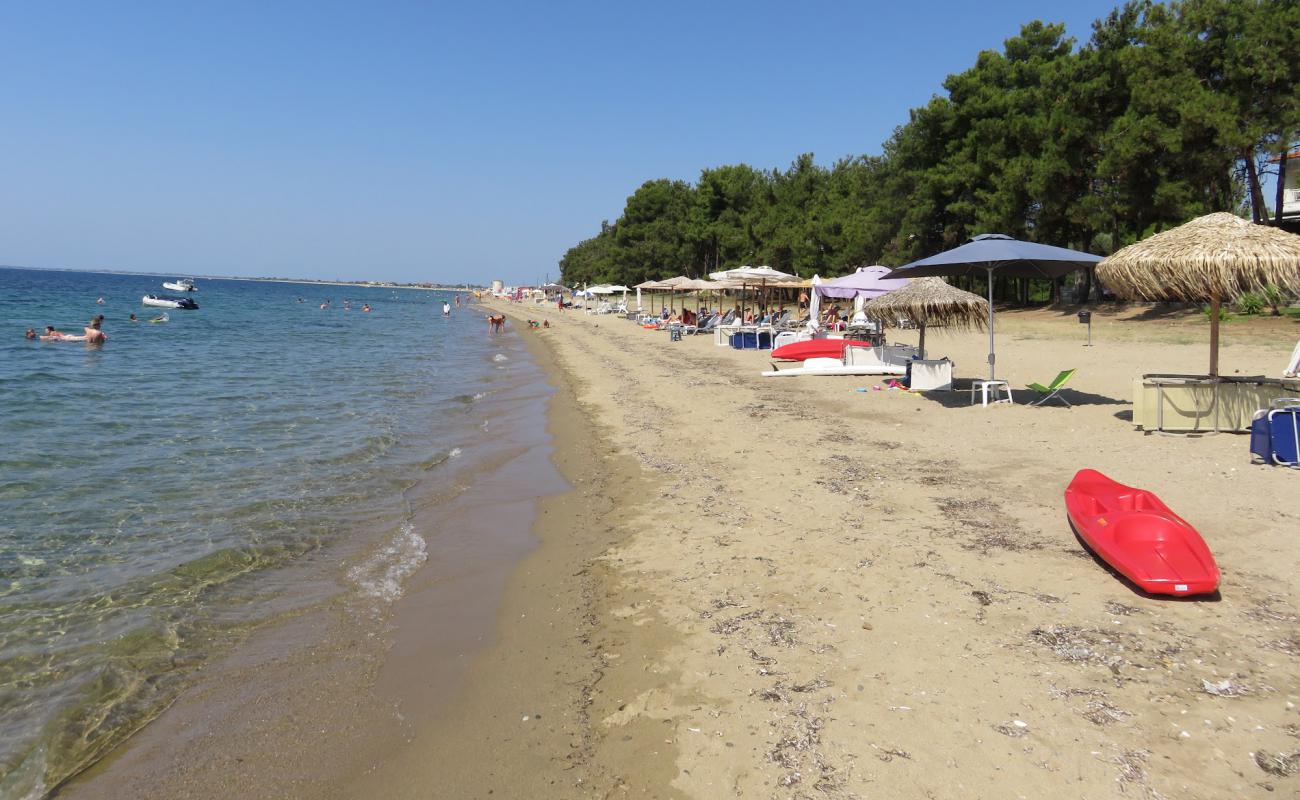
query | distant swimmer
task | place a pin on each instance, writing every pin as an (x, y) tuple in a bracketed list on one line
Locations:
[(99, 302), (325, 305), (365, 307), (446, 308), (161, 318), (52, 335), (31, 333), (133, 319)]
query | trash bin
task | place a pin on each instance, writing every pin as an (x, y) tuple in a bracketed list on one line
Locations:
[(1085, 317)]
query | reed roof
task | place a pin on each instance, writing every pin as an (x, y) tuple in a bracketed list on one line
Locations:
[(930, 302), (1219, 255)]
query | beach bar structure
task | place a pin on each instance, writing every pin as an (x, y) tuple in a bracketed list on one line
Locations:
[(1204, 404)]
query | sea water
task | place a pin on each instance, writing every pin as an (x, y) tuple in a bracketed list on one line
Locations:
[(162, 494)]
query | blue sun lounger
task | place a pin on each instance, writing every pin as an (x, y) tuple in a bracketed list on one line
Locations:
[(1275, 433)]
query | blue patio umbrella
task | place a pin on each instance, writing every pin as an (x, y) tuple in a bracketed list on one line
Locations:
[(995, 252)]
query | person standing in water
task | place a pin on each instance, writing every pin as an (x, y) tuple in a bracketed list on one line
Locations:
[(446, 308), (93, 333)]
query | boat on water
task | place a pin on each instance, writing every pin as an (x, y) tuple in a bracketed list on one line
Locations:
[(168, 301), (181, 285), (1137, 534)]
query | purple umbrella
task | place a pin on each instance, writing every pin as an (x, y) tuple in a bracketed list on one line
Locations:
[(867, 281)]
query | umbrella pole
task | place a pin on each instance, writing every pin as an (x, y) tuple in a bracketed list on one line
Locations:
[(1214, 336), (992, 356), (921, 346)]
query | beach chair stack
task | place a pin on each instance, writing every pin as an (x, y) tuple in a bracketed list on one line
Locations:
[(1275, 433)]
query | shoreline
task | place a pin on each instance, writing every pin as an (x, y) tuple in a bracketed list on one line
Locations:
[(800, 588), (306, 703)]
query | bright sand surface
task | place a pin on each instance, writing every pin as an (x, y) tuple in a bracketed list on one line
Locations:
[(790, 588)]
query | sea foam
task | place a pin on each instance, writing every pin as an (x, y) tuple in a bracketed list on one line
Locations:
[(380, 576)]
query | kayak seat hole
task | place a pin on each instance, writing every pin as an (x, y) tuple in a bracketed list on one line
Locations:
[(1091, 506), (1136, 501), (1144, 528)]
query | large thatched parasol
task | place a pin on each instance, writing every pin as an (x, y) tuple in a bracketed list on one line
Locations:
[(1216, 257), (929, 301)]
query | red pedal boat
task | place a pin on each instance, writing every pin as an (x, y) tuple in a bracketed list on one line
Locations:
[(815, 348), (1139, 536)]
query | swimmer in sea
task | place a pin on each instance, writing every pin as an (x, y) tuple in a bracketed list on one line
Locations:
[(51, 334), (365, 307), (93, 334), (99, 302), (133, 319), (31, 333)]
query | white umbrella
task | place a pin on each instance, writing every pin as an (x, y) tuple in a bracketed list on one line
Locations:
[(814, 306)]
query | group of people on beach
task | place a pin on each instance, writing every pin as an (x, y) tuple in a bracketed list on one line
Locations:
[(496, 323)]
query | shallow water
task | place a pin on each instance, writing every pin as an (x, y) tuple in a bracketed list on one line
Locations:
[(167, 491)]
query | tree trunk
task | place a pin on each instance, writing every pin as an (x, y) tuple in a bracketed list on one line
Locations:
[(1252, 185), (1281, 183)]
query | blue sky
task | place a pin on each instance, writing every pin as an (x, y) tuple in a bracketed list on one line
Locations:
[(422, 141)]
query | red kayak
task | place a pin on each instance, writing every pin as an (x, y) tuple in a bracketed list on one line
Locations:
[(814, 348), (1139, 536)]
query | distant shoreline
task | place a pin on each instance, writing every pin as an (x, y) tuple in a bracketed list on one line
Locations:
[(304, 281)]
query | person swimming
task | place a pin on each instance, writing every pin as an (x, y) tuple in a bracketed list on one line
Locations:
[(31, 333), (133, 319), (365, 307), (93, 333), (161, 318)]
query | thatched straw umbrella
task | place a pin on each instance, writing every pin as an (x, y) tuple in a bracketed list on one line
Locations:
[(1216, 257), (929, 301)]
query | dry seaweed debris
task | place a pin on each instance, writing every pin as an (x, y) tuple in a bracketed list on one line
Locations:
[(1279, 764)]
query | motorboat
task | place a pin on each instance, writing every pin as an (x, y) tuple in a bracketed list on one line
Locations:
[(181, 285), (168, 301)]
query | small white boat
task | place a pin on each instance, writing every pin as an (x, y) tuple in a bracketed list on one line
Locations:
[(167, 301), (181, 285)]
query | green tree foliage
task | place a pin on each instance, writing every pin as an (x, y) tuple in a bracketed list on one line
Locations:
[(1167, 112)]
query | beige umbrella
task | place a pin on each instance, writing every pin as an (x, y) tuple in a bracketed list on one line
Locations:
[(929, 301), (1216, 257)]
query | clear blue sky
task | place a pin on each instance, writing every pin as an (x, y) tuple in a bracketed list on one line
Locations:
[(425, 141)]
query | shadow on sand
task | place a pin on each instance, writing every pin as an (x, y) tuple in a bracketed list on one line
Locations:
[(960, 396)]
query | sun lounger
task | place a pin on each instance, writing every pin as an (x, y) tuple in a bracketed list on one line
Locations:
[(1053, 389), (1275, 433), (1293, 366)]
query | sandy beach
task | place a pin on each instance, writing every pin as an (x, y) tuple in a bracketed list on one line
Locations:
[(822, 592), (792, 588)]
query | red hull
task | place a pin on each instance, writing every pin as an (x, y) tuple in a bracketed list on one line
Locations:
[(814, 348), (1139, 536)]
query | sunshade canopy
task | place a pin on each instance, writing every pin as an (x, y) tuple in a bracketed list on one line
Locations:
[(999, 252), (754, 275), (1216, 257), (929, 301), (868, 281), (1218, 254), (995, 252)]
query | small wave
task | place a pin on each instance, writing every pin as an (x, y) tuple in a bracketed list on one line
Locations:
[(380, 576), (455, 453), (499, 357), (479, 395)]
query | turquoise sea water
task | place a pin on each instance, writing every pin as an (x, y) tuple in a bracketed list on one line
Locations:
[(166, 491)]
